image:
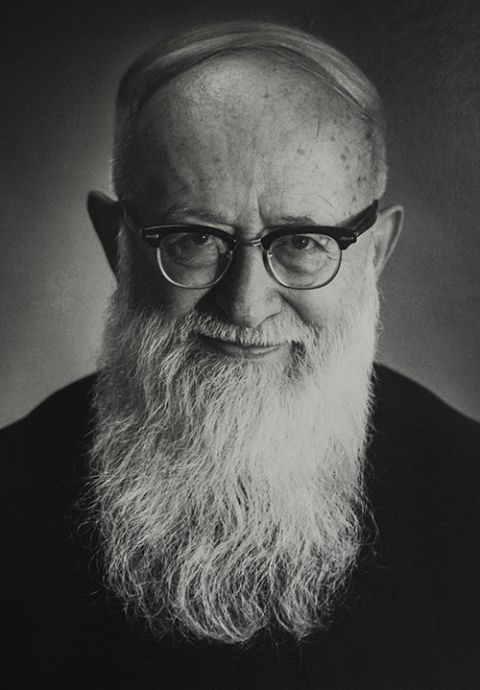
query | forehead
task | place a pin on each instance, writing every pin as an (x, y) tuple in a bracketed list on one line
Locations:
[(248, 125)]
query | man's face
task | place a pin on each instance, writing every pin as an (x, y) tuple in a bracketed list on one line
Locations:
[(243, 144), (228, 479)]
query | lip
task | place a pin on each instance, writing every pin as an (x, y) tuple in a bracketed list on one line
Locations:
[(231, 349)]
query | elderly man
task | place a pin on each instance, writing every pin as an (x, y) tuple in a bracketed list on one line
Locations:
[(239, 499)]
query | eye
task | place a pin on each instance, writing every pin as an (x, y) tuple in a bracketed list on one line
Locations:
[(190, 241), (300, 242), (199, 239), (294, 255), (192, 249)]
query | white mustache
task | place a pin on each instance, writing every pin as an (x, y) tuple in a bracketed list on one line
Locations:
[(273, 332)]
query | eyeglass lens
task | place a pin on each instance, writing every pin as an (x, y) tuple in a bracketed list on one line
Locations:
[(304, 261), (195, 259)]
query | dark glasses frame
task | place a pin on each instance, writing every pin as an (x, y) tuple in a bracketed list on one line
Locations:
[(344, 236)]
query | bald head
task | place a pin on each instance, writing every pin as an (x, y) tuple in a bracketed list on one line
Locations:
[(253, 127), (264, 69)]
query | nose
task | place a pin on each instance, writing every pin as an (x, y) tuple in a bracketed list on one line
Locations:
[(247, 294)]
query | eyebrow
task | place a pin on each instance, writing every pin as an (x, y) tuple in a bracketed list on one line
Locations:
[(299, 220), (177, 211)]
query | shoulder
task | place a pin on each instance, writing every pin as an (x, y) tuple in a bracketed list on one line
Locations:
[(425, 471), (67, 406), (407, 410), (42, 449), (64, 403), (425, 467)]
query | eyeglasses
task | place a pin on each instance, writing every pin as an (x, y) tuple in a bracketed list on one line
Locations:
[(302, 257)]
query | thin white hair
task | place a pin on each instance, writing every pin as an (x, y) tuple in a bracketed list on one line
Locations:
[(175, 56)]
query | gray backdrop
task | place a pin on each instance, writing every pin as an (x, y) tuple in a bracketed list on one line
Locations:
[(62, 68)]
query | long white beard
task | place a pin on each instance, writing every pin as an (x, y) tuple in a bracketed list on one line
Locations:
[(228, 493)]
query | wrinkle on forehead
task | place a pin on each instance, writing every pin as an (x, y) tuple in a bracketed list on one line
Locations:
[(243, 87), (247, 121)]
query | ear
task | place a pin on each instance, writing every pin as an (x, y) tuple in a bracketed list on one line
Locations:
[(386, 233), (105, 215)]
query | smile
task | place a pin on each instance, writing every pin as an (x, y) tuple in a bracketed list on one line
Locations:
[(235, 349)]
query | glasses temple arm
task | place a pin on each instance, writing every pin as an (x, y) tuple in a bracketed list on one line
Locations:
[(366, 220)]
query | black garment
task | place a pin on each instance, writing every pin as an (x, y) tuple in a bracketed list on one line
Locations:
[(409, 622)]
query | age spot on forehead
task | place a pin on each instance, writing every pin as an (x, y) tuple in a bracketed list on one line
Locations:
[(257, 150)]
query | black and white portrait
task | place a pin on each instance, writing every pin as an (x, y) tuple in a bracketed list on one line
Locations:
[(240, 299)]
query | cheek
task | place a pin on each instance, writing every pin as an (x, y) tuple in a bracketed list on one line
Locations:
[(158, 292), (148, 288), (315, 307), (178, 301)]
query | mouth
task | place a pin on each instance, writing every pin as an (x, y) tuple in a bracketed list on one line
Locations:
[(236, 349)]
